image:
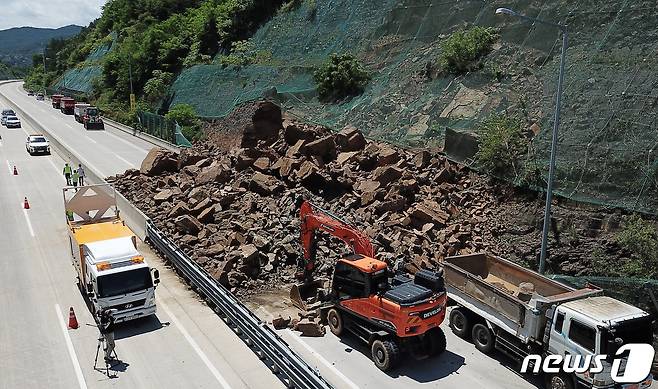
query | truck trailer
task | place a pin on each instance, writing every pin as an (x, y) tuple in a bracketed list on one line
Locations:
[(55, 99), (67, 105), (503, 306), (112, 273)]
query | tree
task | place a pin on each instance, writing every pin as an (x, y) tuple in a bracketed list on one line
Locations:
[(156, 87), (185, 116), (341, 76)]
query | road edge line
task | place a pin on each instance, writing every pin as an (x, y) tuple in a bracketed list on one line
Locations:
[(71, 350)]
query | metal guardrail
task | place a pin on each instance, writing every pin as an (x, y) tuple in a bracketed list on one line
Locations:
[(256, 334)]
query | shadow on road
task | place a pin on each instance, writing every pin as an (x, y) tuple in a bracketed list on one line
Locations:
[(138, 327)]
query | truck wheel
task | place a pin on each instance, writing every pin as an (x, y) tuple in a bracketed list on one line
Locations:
[(385, 354), (437, 342), (460, 322), (335, 321), (483, 338), (558, 381)]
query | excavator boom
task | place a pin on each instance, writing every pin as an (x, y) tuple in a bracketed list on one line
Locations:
[(315, 218)]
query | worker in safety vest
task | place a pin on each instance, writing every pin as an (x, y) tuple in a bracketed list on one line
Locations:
[(69, 215), (81, 174), (75, 178), (67, 174)]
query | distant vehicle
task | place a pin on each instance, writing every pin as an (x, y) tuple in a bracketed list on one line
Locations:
[(6, 113), (12, 122), (92, 119), (79, 111), (66, 105), (37, 144), (30, 93), (40, 96), (56, 99)]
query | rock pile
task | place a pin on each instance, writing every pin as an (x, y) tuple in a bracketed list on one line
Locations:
[(233, 209)]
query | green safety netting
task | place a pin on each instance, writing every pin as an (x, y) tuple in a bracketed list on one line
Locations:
[(81, 78), (609, 134), (163, 128)]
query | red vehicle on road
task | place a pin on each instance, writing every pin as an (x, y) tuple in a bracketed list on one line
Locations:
[(66, 105), (56, 100)]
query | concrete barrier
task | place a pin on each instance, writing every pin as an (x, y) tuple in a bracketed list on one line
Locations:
[(134, 218)]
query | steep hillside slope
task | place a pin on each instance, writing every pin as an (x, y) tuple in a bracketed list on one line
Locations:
[(18, 44), (609, 134)]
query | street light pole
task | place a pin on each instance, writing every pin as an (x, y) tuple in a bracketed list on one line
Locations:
[(556, 126)]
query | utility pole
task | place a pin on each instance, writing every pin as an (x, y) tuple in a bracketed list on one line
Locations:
[(556, 126)]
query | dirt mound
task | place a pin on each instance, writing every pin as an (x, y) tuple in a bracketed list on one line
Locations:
[(233, 209)]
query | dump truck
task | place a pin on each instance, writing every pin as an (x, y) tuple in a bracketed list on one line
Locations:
[(92, 119), (55, 99), (79, 111), (112, 274), (502, 306), (66, 105)]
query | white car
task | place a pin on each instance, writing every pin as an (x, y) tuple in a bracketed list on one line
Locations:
[(12, 122), (37, 144), (5, 114)]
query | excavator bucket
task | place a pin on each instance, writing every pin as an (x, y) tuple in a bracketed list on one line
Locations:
[(299, 293)]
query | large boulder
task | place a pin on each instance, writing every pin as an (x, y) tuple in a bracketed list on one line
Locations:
[(159, 160), (214, 173), (265, 126), (350, 139), (188, 224)]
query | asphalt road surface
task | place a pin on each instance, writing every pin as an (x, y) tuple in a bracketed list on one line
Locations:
[(184, 346)]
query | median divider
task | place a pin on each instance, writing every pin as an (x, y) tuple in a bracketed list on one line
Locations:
[(260, 337)]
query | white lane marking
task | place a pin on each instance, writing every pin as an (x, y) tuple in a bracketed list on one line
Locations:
[(331, 367), (91, 140), (11, 171), (124, 160), (69, 346), (27, 219), (222, 381), (0, 143), (126, 142)]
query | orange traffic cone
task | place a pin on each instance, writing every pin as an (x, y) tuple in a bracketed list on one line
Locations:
[(15, 171), (73, 322), (26, 205)]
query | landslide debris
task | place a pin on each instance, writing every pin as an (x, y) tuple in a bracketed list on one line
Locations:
[(229, 202)]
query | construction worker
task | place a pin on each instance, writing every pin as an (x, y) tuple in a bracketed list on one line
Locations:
[(67, 174), (69, 215), (81, 174), (75, 178), (106, 327)]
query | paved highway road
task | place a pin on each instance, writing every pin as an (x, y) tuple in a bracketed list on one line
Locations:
[(185, 346), (345, 363)]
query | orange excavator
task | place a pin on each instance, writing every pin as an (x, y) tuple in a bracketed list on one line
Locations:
[(391, 313)]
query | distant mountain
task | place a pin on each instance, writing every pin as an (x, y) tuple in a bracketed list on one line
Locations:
[(19, 43)]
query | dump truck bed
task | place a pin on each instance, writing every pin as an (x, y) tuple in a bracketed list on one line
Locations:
[(490, 286)]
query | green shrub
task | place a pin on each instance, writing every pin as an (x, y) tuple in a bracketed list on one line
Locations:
[(341, 76), (185, 116), (640, 238), (502, 145), (461, 52)]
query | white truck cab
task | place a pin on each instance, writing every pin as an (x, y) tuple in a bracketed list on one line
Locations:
[(598, 326), (120, 279)]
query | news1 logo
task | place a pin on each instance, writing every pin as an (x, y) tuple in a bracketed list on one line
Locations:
[(638, 363)]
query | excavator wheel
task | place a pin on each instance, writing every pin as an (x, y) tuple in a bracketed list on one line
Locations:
[(335, 321), (385, 354), (437, 342)]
